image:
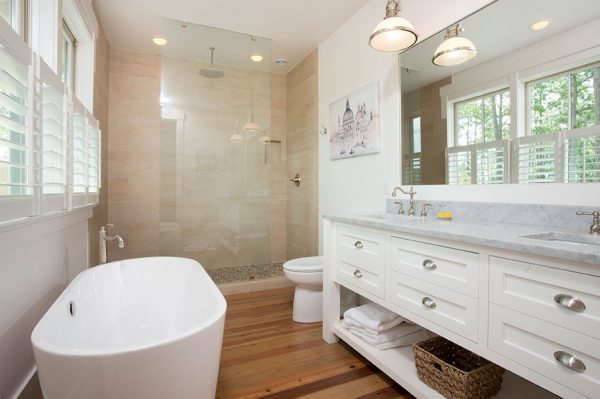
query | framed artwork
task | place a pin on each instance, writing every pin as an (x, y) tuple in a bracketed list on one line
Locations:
[(354, 123)]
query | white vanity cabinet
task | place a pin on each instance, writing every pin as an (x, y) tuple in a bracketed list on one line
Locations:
[(537, 317)]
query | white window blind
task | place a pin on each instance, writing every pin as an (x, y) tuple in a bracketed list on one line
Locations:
[(484, 163), (459, 161), (412, 168), (537, 159), (15, 119), (80, 150), (54, 141), (582, 156), (491, 162), (93, 134)]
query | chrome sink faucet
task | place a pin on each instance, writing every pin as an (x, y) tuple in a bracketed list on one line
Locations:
[(595, 227), (411, 193), (104, 238)]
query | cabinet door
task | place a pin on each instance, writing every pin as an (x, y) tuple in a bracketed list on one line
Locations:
[(565, 298), (447, 267)]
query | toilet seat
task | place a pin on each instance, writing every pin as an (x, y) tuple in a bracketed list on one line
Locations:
[(312, 264)]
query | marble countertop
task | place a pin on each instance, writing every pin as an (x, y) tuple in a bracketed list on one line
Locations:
[(507, 236)]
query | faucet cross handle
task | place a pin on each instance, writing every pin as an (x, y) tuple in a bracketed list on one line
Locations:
[(595, 227), (425, 208)]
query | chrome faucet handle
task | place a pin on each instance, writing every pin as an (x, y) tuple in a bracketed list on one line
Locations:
[(595, 227), (425, 208), (400, 208)]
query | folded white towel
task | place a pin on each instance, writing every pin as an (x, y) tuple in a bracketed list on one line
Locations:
[(373, 317), (401, 330), (351, 324), (407, 340)]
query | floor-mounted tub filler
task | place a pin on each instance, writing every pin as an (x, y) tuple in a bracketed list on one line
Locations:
[(142, 328)]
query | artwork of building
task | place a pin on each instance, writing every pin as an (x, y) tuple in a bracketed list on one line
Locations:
[(355, 132)]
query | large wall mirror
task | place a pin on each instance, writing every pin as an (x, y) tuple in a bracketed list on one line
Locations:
[(514, 97)]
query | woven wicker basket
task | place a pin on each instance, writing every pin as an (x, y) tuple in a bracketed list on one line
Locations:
[(456, 372)]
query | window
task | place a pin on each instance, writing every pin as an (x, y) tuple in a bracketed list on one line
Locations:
[(563, 141), (13, 12), (68, 57), (481, 132), (565, 102), (412, 159), (483, 119)]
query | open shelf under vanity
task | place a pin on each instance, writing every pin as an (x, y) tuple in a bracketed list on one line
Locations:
[(399, 364)]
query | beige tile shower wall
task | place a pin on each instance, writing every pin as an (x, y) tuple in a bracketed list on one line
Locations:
[(302, 157), (134, 152), (101, 83)]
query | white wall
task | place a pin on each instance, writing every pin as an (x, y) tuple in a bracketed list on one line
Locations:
[(37, 260), (362, 184), (346, 63)]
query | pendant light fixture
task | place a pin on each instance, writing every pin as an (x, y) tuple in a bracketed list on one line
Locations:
[(236, 137), (454, 50), (393, 33), (251, 126)]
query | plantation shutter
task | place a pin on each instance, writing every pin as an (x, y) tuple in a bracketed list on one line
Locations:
[(54, 142), (459, 161), (94, 151), (537, 158), (16, 160), (582, 156)]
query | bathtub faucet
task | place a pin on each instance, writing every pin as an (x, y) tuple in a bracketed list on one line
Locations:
[(104, 238)]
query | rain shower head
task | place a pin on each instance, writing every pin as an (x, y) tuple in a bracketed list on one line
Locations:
[(211, 72)]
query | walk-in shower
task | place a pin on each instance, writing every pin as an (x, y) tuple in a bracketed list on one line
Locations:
[(217, 205)]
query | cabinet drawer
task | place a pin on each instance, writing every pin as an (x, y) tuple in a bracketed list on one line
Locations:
[(538, 290), (535, 343), (448, 267), (368, 279), (362, 248), (449, 309)]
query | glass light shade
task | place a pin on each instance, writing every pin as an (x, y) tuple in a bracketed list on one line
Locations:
[(236, 138), (393, 34), (251, 127), (454, 51)]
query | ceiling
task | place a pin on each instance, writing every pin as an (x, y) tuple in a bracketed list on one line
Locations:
[(498, 29), (295, 27)]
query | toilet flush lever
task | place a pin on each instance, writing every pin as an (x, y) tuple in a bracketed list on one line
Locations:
[(358, 274)]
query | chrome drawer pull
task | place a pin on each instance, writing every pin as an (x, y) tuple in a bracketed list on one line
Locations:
[(429, 303), (429, 264), (569, 302), (569, 361), (358, 245), (357, 274)]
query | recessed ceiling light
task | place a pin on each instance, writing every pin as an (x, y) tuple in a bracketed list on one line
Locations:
[(539, 25), (281, 61), (256, 58), (159, 41)]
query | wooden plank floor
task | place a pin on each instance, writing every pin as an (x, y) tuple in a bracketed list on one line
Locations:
[(266, 355)]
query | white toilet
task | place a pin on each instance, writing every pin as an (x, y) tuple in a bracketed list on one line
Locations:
[(307, 276)]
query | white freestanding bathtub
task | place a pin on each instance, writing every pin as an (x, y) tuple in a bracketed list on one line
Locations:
[(148, 328)]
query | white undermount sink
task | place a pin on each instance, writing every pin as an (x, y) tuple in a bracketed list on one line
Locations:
[(556, 236), (389, 217)]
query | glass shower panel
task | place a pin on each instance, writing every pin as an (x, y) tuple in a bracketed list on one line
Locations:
[(215, 196)]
